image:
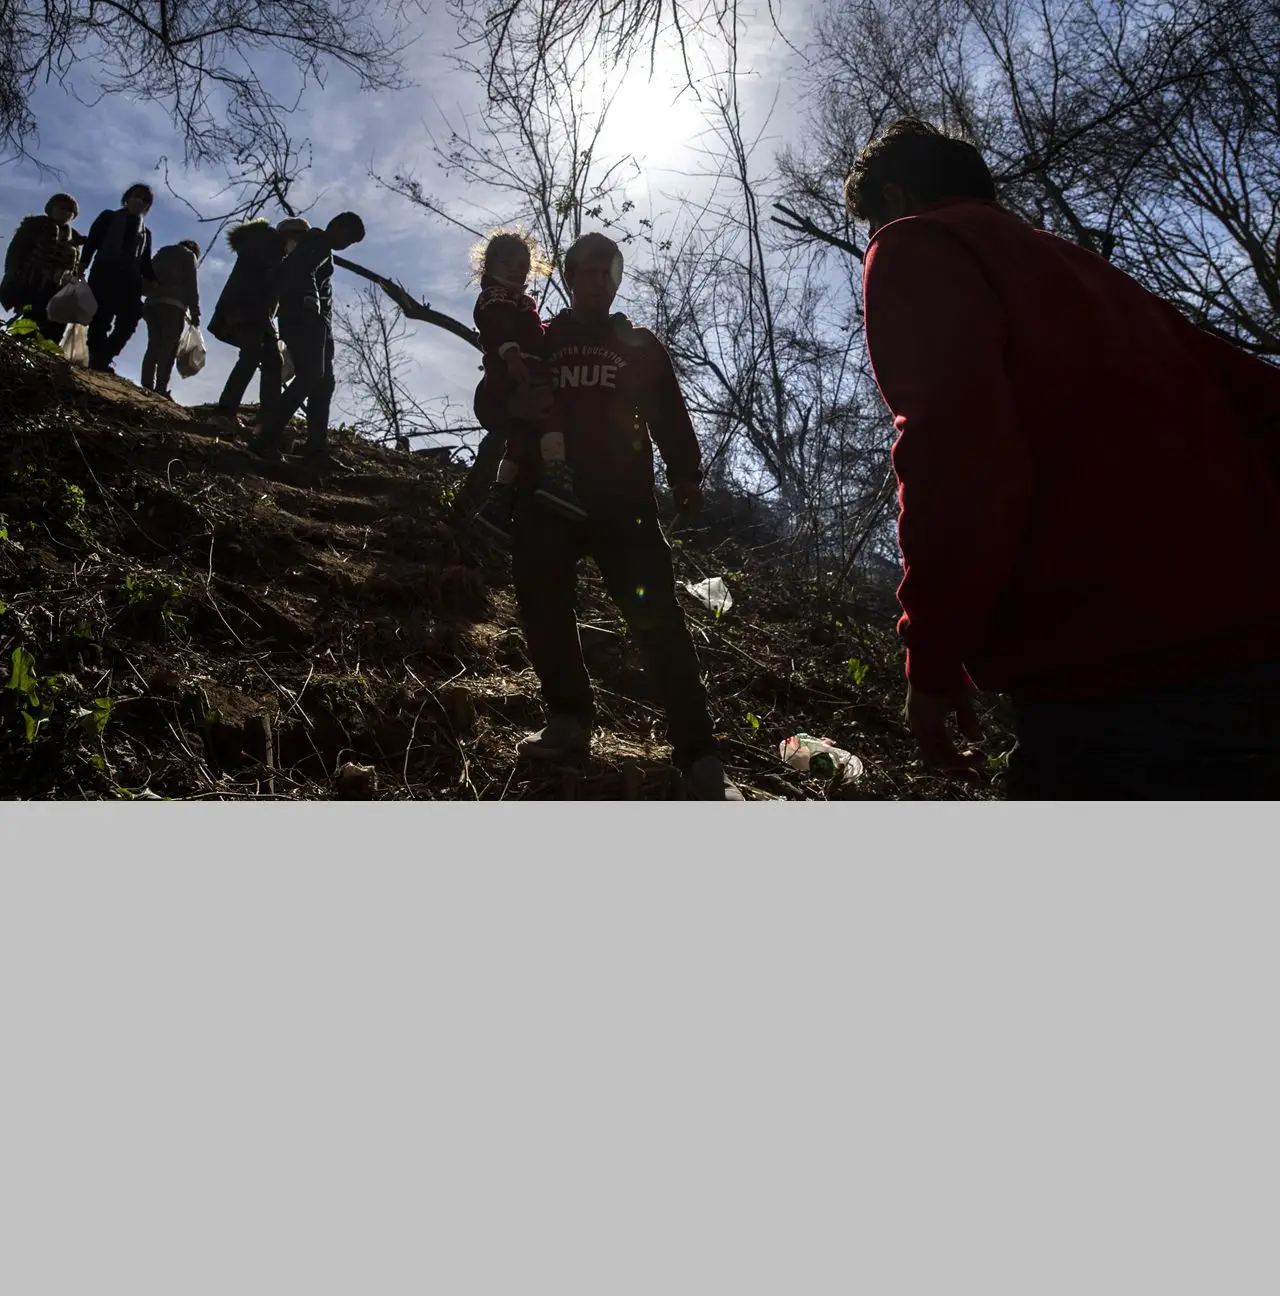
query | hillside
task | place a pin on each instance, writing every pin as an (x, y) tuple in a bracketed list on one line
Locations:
[(178, 619)]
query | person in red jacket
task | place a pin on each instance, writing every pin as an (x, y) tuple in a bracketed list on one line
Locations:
[(1089, 493), (511, 333), (620, 396)]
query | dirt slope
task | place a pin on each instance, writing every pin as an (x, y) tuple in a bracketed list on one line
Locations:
[(180, 620)]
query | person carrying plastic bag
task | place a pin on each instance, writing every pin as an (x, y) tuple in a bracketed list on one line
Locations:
[(42, 257), (173, 295)]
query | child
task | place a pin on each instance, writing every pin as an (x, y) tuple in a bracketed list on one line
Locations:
[(512, 337)]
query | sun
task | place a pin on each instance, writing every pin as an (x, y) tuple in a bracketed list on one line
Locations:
[(653, 119)]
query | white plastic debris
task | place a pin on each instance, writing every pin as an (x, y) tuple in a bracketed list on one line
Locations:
[(712, 593), (821, 757)]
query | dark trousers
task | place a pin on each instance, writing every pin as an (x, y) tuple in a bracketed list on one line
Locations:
[(1217, 739), (119, 298), (165, 327), (635, 563), (264, 354), (310, 344)]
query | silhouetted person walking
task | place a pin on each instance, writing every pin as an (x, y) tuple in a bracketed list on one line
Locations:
[(306, 310), (244, 314), (171, 301), (117, 257)]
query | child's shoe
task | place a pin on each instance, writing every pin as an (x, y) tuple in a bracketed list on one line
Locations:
[(495, 513), (556, 491)]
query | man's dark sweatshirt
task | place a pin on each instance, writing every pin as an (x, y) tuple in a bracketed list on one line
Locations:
[(620, 398)]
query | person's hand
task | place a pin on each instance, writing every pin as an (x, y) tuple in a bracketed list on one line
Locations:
[(516, 367), (688, 496), (927, 715)]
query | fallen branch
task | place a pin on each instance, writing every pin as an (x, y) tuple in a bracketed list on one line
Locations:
[(412, 308)]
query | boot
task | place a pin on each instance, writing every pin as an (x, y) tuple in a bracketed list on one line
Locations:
[(562, 736), (556, 491), (706, 780)]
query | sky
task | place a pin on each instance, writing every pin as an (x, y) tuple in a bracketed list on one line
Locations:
[(98, 151)]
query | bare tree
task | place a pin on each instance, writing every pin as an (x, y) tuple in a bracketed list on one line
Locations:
[(196, 59), (374, 367), (534, 155), (1201, 211), (534, 34), (1146, 131), (768, 343)]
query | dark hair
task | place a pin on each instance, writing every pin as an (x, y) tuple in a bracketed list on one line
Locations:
[(351, 219), (63, 198), (587, 245), (144, 190), (923, 161), (191, 245)]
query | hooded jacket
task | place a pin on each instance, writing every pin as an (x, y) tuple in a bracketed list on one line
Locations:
[(176, 280), (1089, 483), (248, 298), (41, 256)]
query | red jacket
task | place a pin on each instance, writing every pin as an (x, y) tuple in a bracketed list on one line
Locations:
[(1088, 482)]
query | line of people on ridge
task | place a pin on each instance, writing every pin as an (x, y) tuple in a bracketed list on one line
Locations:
[(130, 283), (281, 274)]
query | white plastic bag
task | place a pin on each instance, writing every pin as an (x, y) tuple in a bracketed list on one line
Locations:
[(712, 593), (820, 756), (75, 344), (73, 303), (191, 353), (286, 365)]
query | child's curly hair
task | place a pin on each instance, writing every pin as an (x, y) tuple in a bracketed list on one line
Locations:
[(507, 239)]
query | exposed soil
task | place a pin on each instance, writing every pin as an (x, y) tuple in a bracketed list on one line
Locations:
[(251, 630)]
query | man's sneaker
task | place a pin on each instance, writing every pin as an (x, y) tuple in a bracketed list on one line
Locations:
[(563, 736), (706, 780), (556, 491), (494, 515)]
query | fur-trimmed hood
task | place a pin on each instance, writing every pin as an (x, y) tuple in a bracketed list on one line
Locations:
[(255, 236)]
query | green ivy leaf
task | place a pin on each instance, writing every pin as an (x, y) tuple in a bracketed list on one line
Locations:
[(23, 679), (93, 720)]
